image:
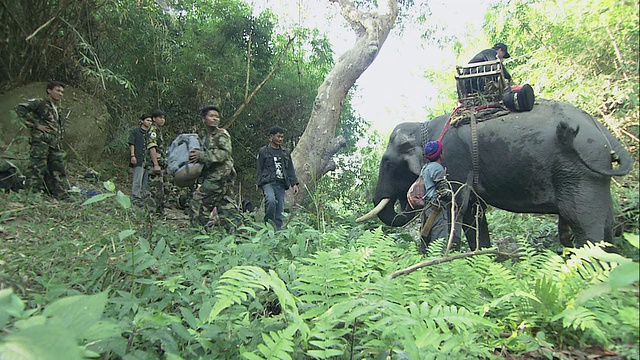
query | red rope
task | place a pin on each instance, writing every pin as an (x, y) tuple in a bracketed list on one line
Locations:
[(488, 106), (446, 125)]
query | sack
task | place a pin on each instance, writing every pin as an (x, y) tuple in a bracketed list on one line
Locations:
[(184, 173), (11, 178), (416, 194), (520, 98)]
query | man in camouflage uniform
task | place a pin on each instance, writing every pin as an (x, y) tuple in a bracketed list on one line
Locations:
[(155, 161), (45, 121), (212, 203)]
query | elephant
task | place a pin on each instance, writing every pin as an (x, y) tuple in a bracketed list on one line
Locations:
[(554, 159)]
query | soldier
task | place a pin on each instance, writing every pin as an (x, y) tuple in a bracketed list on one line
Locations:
[(155, 162), (213, 201), (44, 119)]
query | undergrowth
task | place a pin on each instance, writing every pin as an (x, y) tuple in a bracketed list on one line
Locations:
[(99, 280)]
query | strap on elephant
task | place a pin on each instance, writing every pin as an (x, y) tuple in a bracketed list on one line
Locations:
[(446, 125), (424, 134), (424, 129), (475, 158)]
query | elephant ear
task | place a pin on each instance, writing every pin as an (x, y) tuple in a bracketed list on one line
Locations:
[(410, 151)]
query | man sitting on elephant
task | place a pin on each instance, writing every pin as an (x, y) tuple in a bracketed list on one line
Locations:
[(477, 84), (436, 223)]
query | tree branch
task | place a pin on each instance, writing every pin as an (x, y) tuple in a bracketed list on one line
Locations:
[(246, 87), (352, 15), (247, 99), (417, 266), (39, 28), (328, 166), (334, 146)]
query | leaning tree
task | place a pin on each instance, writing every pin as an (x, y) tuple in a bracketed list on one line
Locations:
[(313, 154)]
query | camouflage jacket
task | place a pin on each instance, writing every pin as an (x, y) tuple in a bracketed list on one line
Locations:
[(216, 156), (153, 138), (42, 112)]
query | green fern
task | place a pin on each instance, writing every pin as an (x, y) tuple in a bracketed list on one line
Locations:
[(276, 345), (582, 319), (238, 284)]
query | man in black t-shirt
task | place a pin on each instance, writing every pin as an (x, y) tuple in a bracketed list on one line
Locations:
[(276, 174), (497, 52), (136, 155)]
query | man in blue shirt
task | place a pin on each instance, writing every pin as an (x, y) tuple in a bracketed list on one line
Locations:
[(434, 176)]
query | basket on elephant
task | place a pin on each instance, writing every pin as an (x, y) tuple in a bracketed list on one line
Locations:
[(480, 83)]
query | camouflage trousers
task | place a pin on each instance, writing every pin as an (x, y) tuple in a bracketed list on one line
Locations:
[(175, 195), (212, 204), (155, 197), (47, 172)]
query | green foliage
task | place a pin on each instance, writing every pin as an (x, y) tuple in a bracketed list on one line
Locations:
[(298, 293), (177, 56), (581, 51), (116, 284), (349, 190), (64, 330)]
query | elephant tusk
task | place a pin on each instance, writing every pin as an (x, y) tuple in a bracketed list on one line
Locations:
[(371, 214)]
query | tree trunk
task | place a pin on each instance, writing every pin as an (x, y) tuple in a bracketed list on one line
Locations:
[(312, 156)]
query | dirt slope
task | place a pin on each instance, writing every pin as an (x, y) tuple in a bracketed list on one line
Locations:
[(86, 130)]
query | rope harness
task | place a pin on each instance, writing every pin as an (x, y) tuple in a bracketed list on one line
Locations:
[(475, 156), (462, 115)]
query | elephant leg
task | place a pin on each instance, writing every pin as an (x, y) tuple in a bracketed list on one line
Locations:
[(590, 217), (564, 232), (476, 230)]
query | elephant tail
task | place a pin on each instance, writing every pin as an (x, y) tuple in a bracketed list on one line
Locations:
[(566, 136)]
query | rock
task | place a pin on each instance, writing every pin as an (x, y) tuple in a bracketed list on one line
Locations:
[(85, 131)]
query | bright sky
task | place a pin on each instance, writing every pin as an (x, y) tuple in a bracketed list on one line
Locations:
[(393, 89)]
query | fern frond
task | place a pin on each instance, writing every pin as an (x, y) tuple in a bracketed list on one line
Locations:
[(241, 282), (583, 319), (399, 290), (383, 250), (236, 285), (459, 319), (328, 344), (276, 345), (525, 248), (549, 296), (420, 329), (325, 279)]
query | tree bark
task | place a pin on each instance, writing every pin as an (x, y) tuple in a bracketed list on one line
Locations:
[(312, 157)]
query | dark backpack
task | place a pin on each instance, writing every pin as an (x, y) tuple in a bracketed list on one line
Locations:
[(520, 98), (416, 194)]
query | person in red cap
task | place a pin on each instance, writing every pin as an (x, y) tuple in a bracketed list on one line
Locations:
[(436, 224)]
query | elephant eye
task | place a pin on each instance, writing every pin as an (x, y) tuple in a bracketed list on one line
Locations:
[(406, 147), (386, 163)]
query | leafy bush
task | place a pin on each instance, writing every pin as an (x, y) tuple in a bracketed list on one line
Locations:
[(148, 292)]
